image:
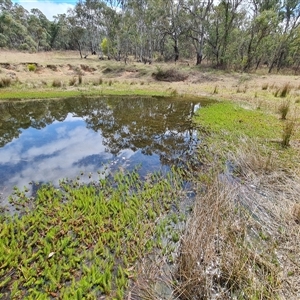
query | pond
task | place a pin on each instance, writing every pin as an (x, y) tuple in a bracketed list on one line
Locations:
[(45, 141)]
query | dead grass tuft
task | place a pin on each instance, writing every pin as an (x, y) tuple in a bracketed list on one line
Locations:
[(72, 81), (285, 90), (5, 82), (57, 83), (283, 109), (288, 131)]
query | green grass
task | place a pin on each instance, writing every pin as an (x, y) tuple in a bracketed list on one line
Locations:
[(233, 121), (82, 241), (51, 94)]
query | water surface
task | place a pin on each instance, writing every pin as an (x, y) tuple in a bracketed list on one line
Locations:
[(44, 141)]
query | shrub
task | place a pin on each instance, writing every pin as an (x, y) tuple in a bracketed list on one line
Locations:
[(31, 67)]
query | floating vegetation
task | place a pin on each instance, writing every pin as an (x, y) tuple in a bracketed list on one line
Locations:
[(83, 240)]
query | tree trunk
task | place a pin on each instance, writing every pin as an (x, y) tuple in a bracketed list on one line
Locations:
[(199, 58), (176, 50), (79, 48)]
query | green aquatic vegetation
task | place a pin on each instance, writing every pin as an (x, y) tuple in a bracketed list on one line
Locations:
[(82, 240)]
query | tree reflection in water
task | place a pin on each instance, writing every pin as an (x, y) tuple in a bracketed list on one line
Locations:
[(143, 126)]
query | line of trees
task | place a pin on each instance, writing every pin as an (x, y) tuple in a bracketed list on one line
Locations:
[(240, 34)]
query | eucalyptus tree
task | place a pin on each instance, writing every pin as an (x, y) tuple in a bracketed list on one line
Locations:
[(198, 23), (171, 23), (287, 35), (225, 21), (262, 27), (5, 5), (112, 21), (140, 17), (86, 26), (14, 28), (39, 29)]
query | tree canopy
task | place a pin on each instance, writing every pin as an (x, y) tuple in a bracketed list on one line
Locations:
[(236, 34)]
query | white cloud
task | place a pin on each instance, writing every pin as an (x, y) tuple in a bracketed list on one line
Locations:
[(72, 144), (48, 8)]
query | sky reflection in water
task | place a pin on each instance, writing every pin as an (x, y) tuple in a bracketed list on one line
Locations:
[(45, 142)]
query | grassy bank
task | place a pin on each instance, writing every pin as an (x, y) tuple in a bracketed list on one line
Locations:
[(242, 239), (15, 94)]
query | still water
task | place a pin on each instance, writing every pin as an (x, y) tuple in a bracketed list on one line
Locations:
[(44, 141)]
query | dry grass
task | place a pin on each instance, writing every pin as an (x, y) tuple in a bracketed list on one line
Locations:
[(235, 245), (5, 82), (72, 81), (57, 83), (287, 133), (169, 75), (284, 108)]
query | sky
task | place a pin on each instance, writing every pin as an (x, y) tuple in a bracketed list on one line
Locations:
[(48, 8)]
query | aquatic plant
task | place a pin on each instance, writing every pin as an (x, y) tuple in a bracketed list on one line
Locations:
[(81, 240)]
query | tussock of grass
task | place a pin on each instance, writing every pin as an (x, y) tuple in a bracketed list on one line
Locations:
[(285, 90), (72, 81), (5, 82), (56, 83), (169, 75), (283, 109), (287, 133)]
